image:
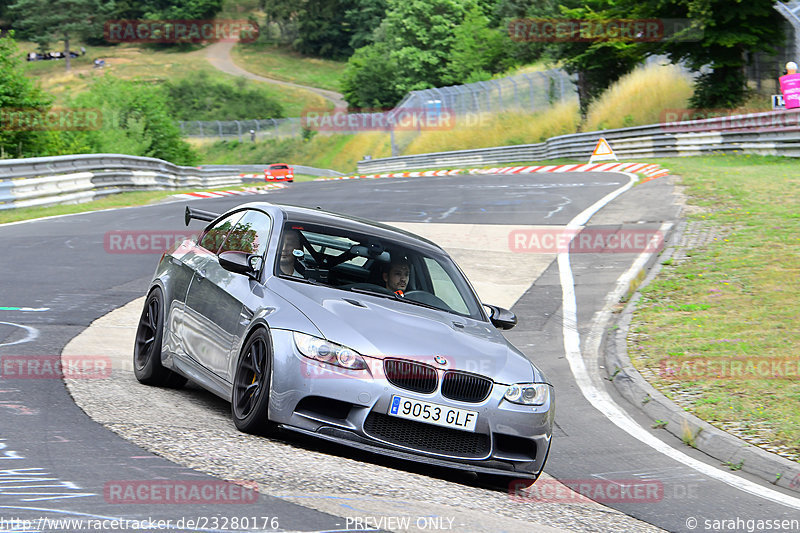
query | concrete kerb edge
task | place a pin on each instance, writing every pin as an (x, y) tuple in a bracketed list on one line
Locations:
[(716, 443)]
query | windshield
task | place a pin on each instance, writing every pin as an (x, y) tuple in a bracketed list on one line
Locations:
[(364, 263)]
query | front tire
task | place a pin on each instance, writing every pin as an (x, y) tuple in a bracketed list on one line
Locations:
[(251, 384), (147, 365)]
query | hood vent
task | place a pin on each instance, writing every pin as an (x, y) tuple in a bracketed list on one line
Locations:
[(354, 302)]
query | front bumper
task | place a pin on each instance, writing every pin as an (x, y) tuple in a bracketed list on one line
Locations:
[(350, 407)]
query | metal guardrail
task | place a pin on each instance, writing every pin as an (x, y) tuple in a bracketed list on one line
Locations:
[(68, 179), (42, 181), (259, 169), (770, 133)]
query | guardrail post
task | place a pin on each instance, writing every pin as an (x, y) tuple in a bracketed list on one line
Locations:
[(219, 127), (530, 89), (516, 96), (475, 100), (486, 91)]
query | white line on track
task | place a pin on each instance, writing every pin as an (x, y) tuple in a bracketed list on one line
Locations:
[(32, 333), (596, 394)]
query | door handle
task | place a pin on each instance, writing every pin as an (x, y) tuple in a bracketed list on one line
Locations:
[(201, 275)]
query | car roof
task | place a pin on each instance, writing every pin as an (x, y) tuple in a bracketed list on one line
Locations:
[(300, 214)]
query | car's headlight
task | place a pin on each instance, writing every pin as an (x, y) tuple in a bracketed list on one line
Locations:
[(328, 352), (528, 393)]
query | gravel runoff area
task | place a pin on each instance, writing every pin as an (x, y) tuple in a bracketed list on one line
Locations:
[(193, 428)]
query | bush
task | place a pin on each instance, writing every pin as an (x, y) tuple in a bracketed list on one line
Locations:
[(17, 92), (200, 98), (136, 120), (640, 98)]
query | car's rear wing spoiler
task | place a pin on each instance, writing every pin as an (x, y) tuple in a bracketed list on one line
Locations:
[(197, 214)]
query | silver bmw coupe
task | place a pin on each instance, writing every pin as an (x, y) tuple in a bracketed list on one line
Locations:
[(348, 330)]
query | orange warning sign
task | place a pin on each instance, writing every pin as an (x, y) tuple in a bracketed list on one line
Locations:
[(602, 152)]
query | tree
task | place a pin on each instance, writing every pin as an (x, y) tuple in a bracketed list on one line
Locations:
[(730, 29), (598, 62), (45, 20), (367, 81), (363, 20), (321, 28), (479, 51), (282, 13), (414, 42), (18, 94), (167, 9)]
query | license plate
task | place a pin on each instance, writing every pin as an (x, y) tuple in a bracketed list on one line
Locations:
[(432, 413)]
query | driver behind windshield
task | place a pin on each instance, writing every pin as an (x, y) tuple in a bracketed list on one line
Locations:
[(396, 275)]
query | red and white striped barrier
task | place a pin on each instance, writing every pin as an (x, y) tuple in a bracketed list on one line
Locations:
[(217, 194), (651, 171), (398, 175)]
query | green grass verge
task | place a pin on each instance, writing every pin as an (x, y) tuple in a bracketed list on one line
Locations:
[(278, 63), (152, 65), (734, 297)]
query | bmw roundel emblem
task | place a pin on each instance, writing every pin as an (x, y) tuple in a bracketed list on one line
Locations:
[(441, 360)]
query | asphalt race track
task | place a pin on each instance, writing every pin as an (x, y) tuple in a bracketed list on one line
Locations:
[(59, 275)]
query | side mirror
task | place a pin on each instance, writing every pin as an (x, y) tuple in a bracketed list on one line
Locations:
[(501, 318), (240, 263)]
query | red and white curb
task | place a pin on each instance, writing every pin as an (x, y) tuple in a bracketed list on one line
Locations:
[(217, 194), (651, 171), (398, 175)]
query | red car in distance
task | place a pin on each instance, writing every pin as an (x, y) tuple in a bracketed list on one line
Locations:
[(279, 172)]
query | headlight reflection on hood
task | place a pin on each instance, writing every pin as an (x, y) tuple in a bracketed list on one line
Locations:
[(528, 393), (328, 352)]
